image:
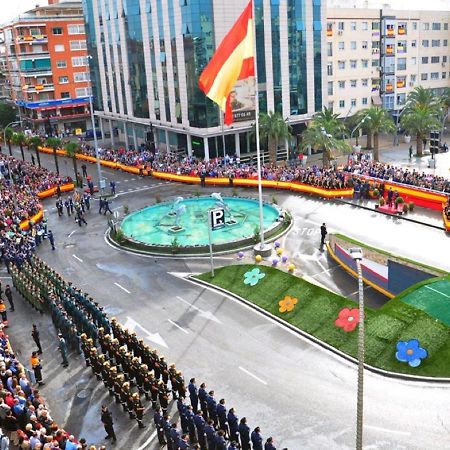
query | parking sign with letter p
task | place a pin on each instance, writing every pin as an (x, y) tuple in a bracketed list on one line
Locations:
[(217, 218)]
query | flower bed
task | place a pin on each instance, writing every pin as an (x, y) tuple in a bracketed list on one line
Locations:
[(318, 309)]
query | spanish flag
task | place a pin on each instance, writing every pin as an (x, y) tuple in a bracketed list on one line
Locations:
[(232, 61)]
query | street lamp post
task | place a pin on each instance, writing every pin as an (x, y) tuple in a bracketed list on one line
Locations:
[(357, 126), (398, 120), (11, 180), (357, 255)]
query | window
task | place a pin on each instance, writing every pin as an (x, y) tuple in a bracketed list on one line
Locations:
[(330, 105), (329, 49), (65, 94), (364, 101), (414, 61), (353, 83), (365, 26), (435, 59), (444, 75), (365, 63), (413, 78), (365, 82), (341, 104), (353, 26), (341, 45), (61, 64), (436, 26), (63, 80), (82, 92), (364, 44), (434, 75), (341, 84), (424, 77), (424, 59), (425, 26), (81, 76), (75, 29), (330, 88), (375, 26), (436, 43), (425, 43), (445, 43), (353, 45), (415, 26), (340, 26), (353, 63), (446, 26), (444, 59), (353, 102), (79, 61), (375, 62), (56, 31), (77, 45), (401, 63), (330, 69), (59, 48), (341, 65), (414, 43)]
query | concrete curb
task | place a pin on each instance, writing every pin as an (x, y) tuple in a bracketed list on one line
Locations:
[(330, 348)]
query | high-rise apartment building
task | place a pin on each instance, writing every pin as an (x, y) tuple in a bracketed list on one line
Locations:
[(148, 55), (45, 59), (379, 56)]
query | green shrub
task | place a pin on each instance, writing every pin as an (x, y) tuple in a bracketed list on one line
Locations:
[(157, 199), (399, 200), (274, 200), (120, 236), (376, 193), (411, 206), (126, 209), (382, 201)]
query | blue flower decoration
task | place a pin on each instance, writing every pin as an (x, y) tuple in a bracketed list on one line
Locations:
[(410, 352), (253, 276)]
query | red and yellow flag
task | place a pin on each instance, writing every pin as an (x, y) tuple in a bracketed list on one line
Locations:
[(232, 61)]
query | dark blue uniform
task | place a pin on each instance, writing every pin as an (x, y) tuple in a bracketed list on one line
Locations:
[(193, 394)]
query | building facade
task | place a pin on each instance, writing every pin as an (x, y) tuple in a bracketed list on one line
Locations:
[(379, 56), (45, 58), (147, 56)]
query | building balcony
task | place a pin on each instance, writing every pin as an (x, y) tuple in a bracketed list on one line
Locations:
[(329, 33), (390, 51), (375, 51), (35, 39), (390, 32), (389, 87), (61, 117), (38, 88), (41, 71), (401, 84), (401, 31)]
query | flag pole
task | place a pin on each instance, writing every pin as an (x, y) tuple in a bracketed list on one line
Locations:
[(258, 150), (222, 120)]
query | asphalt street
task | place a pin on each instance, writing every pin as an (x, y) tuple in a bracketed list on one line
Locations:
[(302, 395)]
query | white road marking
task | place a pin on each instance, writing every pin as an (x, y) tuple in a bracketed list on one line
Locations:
[(386, 430), (76, 257), (323, 268), (435, 290), (206, 314), (154, 337), (132, 179), (144, 446), (252, 375), (123, 289), (70, 235), (6, 278), (125, 181), (178, 326)]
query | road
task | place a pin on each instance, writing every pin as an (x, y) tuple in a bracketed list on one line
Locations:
[(297, 392)]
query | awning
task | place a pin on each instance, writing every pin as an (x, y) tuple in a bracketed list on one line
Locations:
[(376, 100)]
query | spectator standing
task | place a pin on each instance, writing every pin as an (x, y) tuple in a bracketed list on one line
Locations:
[(8, 294), (36, 338), (37, 368)]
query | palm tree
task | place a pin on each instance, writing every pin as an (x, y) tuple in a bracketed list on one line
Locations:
[(72, 149), (35, 142), (376, 120), (273, 128), (54, 143), (323, 132), (419, 121), (423, 98), (445, 102), (20, 139), (8, 133)]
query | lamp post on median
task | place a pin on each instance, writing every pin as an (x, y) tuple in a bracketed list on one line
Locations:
[(357, 127), (357, 255)]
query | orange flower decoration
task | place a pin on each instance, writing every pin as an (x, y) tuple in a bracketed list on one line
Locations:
[(287, 304)]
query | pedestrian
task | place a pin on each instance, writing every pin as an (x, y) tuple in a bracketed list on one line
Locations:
[(101, 205), (71, 205), (222, 416), (37, 368), (410, 151), (202, 394), (84, 170), (51, 239), (107, 420), (80, 217), (323, 234), (244, 433), (112, 185), (62, 346), (36, 339), (107, 209), (158, 420), (60, 207), (233, 424), (257, 440), (67, 205), (3, 313), (87, 200), (193, 394), (8, 294), (33, 161), (269, 444)]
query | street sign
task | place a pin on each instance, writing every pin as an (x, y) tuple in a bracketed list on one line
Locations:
[(217, 218)]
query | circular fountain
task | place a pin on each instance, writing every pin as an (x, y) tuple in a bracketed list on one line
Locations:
[(181, 226)]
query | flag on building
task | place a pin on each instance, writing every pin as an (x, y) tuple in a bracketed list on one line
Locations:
[(233, 60)]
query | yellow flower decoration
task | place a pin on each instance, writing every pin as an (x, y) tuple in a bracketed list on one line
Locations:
[(287, 304)]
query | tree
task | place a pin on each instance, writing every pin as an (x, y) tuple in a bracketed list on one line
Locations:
[(35, 142), (54, 143), (323, 133), (8, 133), (72, 149), (419, 121), (273, 128), (376, 120), (421, 97), (20, 139), (445, 102), (7, 114)]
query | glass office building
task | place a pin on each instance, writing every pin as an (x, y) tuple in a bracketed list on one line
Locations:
[(147, 56)]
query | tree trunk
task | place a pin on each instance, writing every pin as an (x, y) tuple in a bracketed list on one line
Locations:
[(9, 147), (38, 157), (419, 145), (376, 147), (75, 169), (56, 161), (369, 140), (272, 151), (326, 158), (21, 151)]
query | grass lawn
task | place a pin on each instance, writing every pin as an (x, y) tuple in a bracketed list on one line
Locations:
[(318, 308)]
